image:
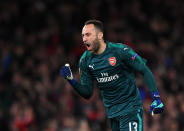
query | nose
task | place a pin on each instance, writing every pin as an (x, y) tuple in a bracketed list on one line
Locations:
[(84, 39)]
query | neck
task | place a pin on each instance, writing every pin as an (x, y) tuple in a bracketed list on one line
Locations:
[(102, 47)]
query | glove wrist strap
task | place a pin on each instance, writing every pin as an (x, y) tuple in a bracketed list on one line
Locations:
[(155, 95), (72, 82)]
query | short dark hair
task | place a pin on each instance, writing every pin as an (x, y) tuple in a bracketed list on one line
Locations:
[(98, 24)]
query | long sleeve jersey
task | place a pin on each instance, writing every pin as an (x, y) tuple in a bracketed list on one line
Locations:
[(114, 72)]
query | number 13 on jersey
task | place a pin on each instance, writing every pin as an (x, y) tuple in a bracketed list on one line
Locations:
[(133, 126)]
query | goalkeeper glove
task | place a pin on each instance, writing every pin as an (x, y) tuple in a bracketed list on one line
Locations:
[(67, 74), (157, 106)]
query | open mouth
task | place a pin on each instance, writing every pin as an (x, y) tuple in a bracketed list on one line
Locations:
[(88, 45)]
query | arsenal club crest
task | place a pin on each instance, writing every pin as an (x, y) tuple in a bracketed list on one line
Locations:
[(112, 61)]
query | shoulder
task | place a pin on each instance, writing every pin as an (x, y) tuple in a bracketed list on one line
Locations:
[(85, 55), (116, 45), (84, 58)]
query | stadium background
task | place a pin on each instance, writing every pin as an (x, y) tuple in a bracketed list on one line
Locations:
[(38, 37)]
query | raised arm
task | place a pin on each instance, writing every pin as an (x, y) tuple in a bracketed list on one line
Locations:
[(85, 87)]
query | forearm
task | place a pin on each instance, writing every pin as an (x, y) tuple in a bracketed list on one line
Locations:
[(149, 79), (85, 91), (147, 74)]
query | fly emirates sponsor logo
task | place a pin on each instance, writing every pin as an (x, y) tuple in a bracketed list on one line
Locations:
[(106, 78)]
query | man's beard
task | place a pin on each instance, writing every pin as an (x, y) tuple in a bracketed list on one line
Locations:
[(96, 46)]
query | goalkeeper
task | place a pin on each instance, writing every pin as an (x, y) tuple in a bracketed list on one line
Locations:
[(113, 65)]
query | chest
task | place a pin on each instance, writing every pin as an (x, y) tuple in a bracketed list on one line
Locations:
[(106, 67)]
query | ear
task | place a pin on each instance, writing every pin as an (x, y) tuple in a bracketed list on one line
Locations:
[(100, 35)]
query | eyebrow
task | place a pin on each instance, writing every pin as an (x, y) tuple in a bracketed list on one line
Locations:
[(86, 33)]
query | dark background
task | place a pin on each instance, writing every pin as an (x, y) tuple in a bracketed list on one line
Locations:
[(38, 36)]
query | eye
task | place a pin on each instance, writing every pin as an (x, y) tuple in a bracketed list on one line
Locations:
[(88, 34)]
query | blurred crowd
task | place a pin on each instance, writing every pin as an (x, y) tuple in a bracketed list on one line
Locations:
[(38, 37)]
